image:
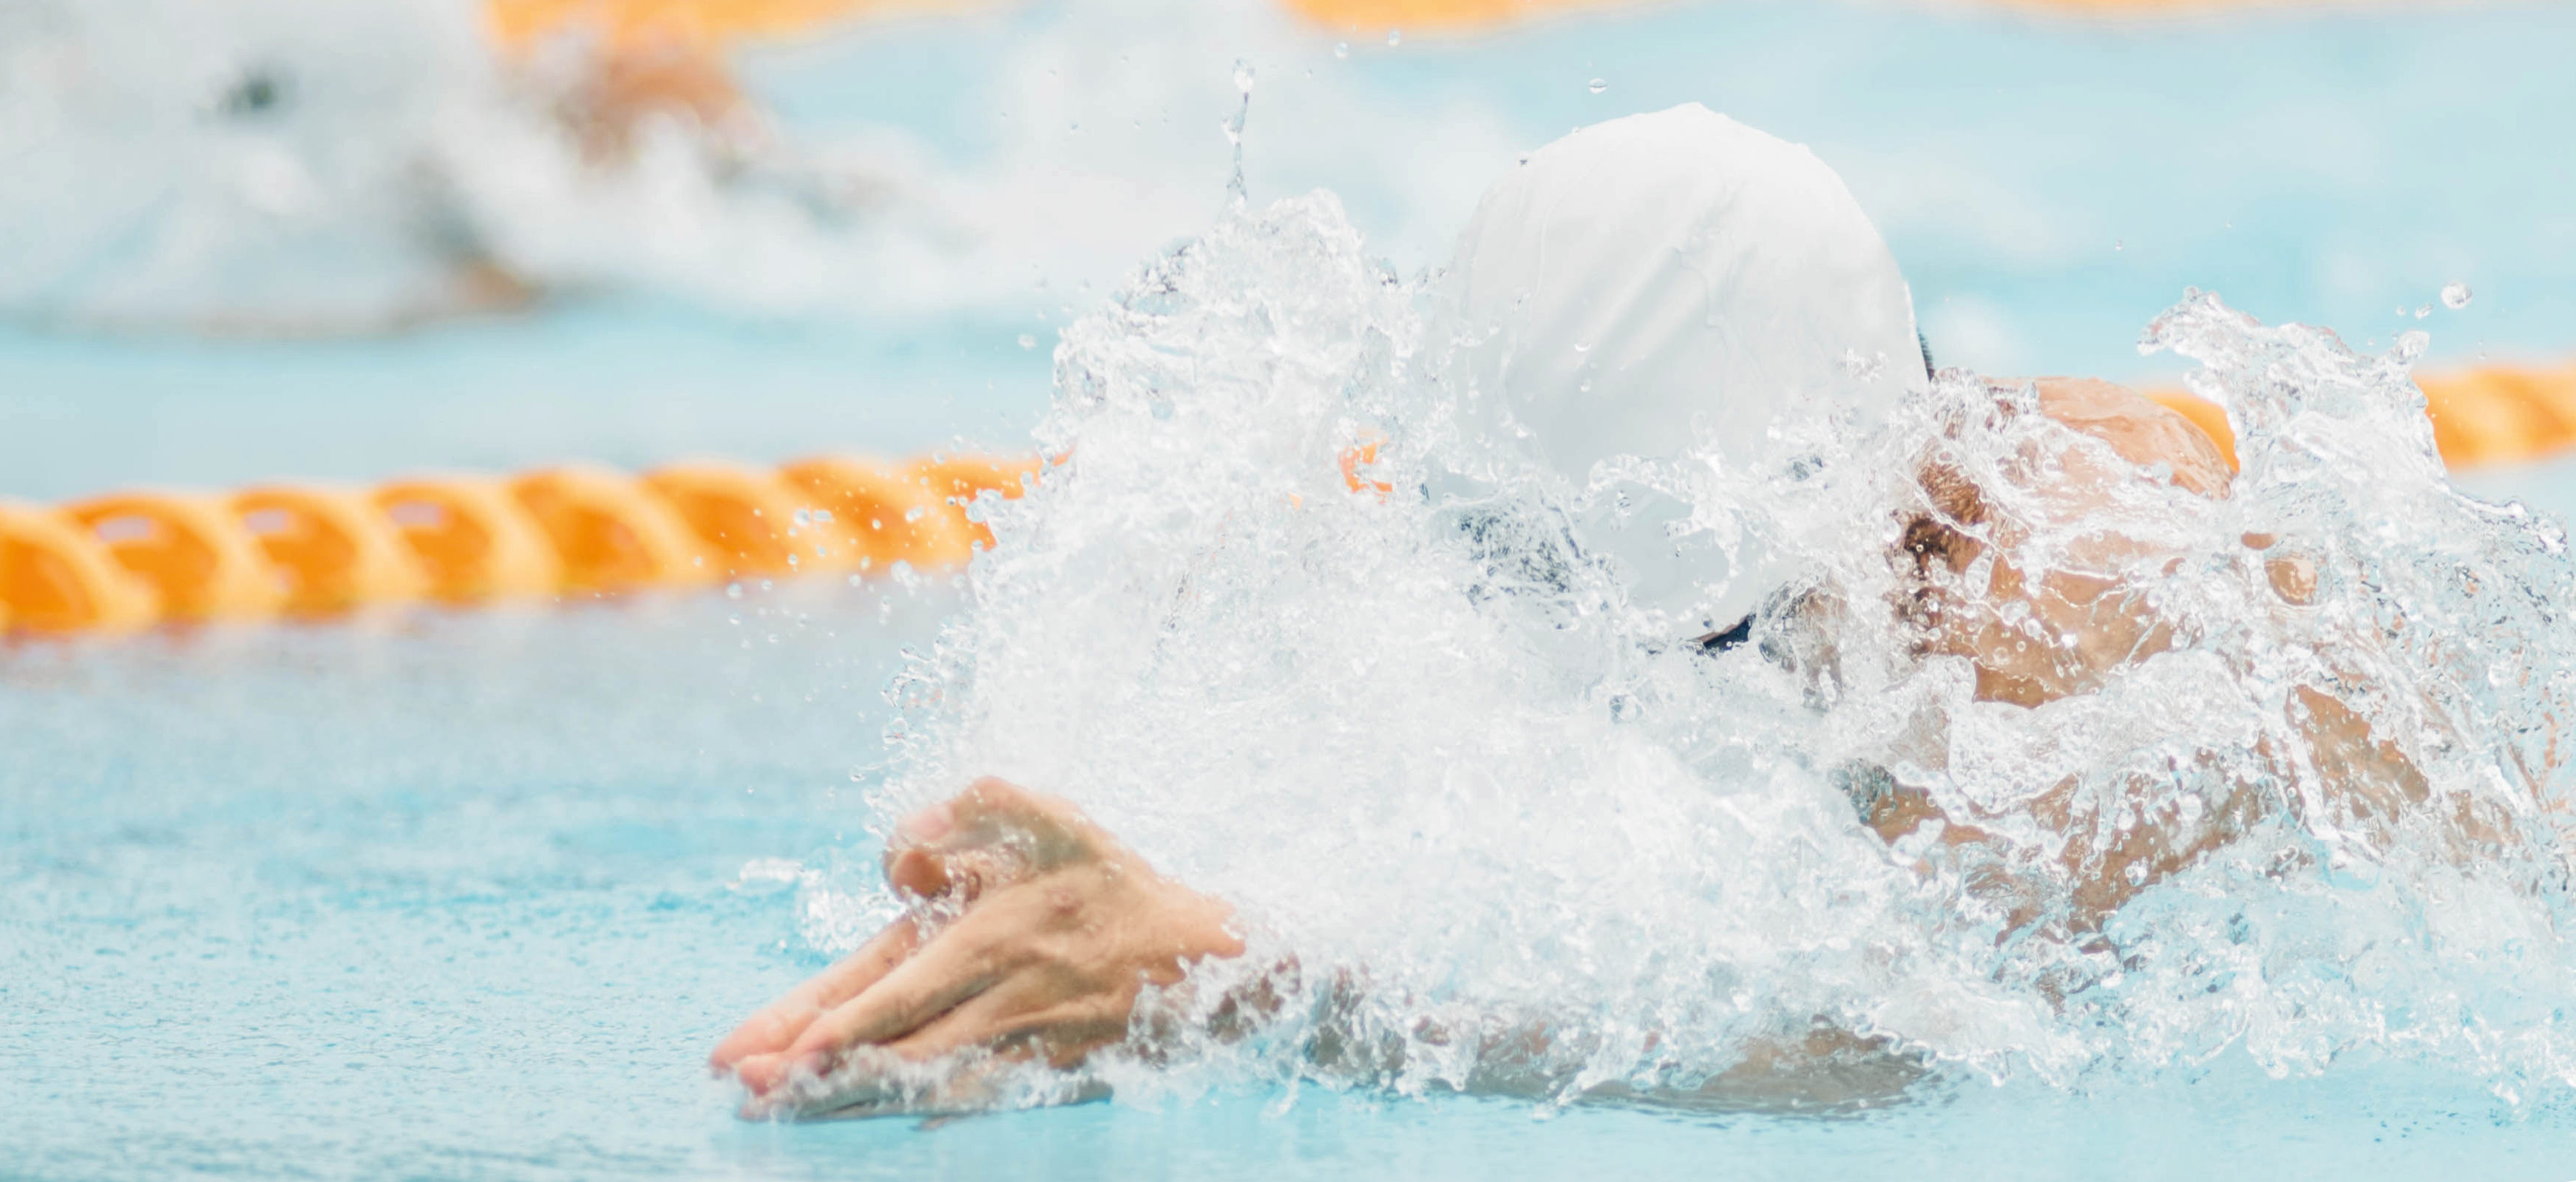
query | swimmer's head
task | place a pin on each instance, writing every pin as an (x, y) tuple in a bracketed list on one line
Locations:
[(1670, 283), (2043, 622)]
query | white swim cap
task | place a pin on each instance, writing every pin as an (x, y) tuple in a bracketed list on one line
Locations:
[(1672, 280)]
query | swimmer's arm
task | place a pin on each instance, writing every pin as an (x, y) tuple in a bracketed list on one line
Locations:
[(1058, 929), (2096, 866)]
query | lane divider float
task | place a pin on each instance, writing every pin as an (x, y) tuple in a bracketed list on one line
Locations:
[(132, 559), (710, 25), (129, 560), (2497, 414)]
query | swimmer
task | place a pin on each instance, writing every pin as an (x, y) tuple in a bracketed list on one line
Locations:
[(294, 168), (1624, 287)]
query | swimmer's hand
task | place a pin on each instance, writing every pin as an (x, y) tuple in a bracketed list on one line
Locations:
[(1035, 933)]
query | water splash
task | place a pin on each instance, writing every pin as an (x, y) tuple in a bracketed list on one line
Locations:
[(1234, 186), (1512, 838)]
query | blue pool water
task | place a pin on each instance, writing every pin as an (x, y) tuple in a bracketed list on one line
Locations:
[(470, 895), (463, 897)]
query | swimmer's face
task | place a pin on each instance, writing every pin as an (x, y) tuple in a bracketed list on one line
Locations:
[(2046, 621)]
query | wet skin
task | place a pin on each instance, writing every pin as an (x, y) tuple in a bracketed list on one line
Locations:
[(1038, 934), (1050, 929)]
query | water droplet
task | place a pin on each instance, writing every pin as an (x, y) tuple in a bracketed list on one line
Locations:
[(1599, 85), (2455, 295), (2423, 311), (1243, 75), (733, 590), (1394, 37), (1028, 340), (2411, 345), (1582, 346), (1342, 49), (2119, 244)]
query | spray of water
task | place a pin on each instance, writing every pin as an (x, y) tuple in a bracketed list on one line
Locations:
[(1510, 835)]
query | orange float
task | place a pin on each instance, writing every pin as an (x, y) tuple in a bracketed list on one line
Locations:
[(129, 559), (191, 550), (517, 24), (704, 27), (1358, 456), (884, 514), (2501, 414), (1435, 15), (610, 532), (2489, 415), (749, 522), (55, 576), (2204, 414), (469, 538), (958, 480), (333, 549)]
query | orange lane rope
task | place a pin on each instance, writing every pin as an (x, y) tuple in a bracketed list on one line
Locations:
[(2490, 415), (710, 24), (129, 560)]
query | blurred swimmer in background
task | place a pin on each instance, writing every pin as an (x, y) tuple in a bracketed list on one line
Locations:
[(1635, 286), (290, 167)]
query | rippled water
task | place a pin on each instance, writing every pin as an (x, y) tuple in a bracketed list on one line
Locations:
[(467, 898), (471, 896)]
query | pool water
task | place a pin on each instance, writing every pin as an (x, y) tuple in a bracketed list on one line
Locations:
[(465, 897), (470, 895)]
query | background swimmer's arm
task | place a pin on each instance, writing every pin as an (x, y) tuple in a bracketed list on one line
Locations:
[(1041, 931)]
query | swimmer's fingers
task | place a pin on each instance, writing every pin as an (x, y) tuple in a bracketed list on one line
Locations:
[(776, 1026), (1024, 1015), (944, 973), (958, 1062)]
